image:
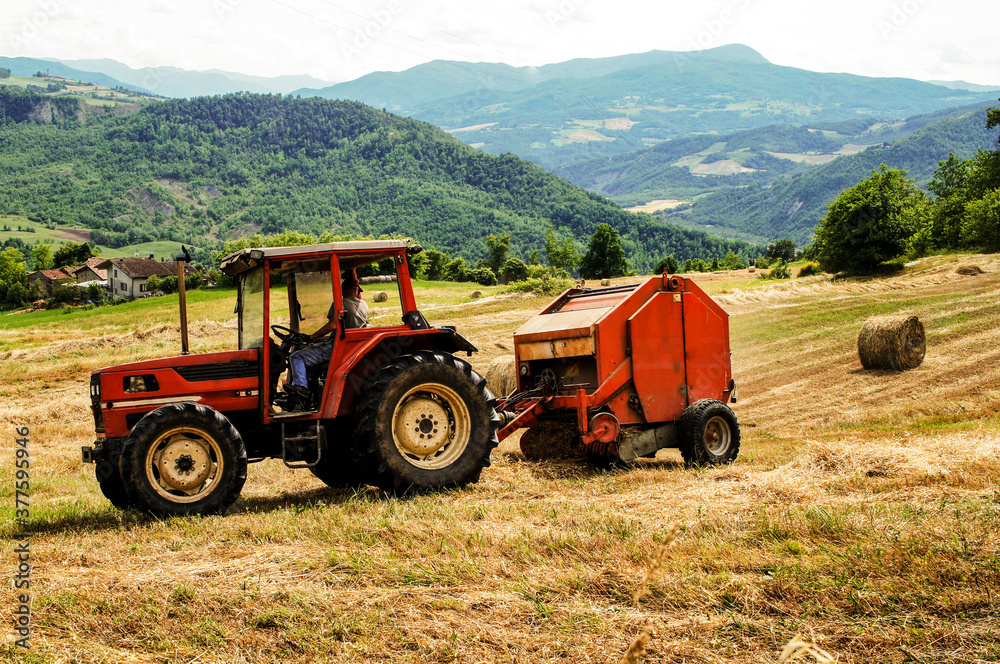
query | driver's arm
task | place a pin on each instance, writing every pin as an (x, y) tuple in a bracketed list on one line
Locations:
[(331, 326)]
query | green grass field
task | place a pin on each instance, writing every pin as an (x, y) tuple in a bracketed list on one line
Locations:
[(35, 233)]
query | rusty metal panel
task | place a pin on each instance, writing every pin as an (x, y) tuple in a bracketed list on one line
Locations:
[(593, 300), (706, 331), (544, 350), (656, 337), (560, 325)]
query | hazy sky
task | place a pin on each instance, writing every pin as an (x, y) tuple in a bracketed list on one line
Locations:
[(338, 40)]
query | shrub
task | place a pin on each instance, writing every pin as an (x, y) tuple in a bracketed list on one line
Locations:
[(809, 269), (539, 286), (513, 270), (667, 264), (65, 293), (779, 271), (484, 276)]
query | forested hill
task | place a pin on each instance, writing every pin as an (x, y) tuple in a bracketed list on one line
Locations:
[(213, 168), (792, 208)]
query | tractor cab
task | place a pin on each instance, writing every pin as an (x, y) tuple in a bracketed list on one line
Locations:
[(292, 300)]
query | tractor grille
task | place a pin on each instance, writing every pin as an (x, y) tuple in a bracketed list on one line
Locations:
[(200, 372)]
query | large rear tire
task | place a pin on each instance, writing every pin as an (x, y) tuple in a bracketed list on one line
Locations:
[(426, 421), (710, 434), (182, 459)]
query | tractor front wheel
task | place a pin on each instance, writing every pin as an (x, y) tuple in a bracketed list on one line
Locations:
[(709, 434), (184, 458), (425, 421), (112, 486)]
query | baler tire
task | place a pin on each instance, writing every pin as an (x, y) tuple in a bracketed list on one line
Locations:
[(709, 434), (424, 394), (191, 435), (109, 479)]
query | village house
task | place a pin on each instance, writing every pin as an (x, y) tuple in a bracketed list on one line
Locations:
[(90, 272), (127, 276), (50, 278)]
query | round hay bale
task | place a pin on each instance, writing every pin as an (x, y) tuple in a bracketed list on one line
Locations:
[(892, 342), (605, 282), (380, 296), (752, 269), (550, 440), (969, 270), (475, 295), (501, 376)]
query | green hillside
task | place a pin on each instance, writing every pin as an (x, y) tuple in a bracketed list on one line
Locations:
[(204, 170), (792, 207)]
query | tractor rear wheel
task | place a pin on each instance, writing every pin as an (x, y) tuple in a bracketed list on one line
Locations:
[(709, 434), (425, 421), (184, 458)]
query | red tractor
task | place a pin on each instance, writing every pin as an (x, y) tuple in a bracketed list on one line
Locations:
[(393, 406), (616, 373)]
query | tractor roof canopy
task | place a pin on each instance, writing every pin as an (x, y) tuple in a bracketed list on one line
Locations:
[(362, 251)]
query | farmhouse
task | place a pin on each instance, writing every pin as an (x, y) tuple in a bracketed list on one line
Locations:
[(90, 272), (127, 276), (50, 278)]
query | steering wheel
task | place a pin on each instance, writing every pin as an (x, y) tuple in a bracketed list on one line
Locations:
[(288, 334)]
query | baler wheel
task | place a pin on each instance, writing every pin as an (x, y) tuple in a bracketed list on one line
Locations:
[(184, 458), (426, 421), (710, 434)]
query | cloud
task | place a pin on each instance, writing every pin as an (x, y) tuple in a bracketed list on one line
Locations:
[(163, 7)]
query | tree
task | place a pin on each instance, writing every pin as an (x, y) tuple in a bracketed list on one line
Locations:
[(982, 223), (668, 265), (13, 276), (4, 73), (734, 262), (783, 249), (870, 223), (561, 253), (513, 270), (41, 257), (498, 247), (605, 257), (435, 262), (73, 254)]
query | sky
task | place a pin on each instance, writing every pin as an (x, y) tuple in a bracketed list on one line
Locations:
[(339, 40)]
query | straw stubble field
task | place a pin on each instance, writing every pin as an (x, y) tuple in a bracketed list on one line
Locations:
[(863, 513)]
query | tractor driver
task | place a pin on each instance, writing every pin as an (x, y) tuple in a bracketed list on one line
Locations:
[(355, 315)]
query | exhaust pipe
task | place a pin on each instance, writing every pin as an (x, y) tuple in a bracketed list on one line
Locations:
[(181, 260)]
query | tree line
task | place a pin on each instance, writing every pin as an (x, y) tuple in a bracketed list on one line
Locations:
[(886, 216)]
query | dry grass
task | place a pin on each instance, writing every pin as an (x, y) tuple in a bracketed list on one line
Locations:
[(862, 519)]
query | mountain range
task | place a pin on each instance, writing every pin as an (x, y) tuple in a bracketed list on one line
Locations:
[(720, 140), (160, 81)]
